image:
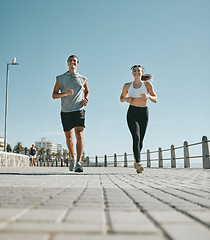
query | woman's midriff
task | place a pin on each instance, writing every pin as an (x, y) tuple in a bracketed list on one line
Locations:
[(138, 102)]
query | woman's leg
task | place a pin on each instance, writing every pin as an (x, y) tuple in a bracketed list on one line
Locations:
[(135, 132), (143, 121)]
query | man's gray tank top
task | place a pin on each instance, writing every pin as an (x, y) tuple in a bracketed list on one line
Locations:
[(73, 81)]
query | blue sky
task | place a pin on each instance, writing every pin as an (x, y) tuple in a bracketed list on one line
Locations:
[(169, 38)]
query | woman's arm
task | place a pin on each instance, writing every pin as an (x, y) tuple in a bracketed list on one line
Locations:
[(124, 93), (152, 95)]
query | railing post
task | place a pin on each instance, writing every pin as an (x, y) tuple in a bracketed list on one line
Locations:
[(160, 157), (125, 160), (148, 159), (115, 160), (205, 153), (105, 161), (186, 155), (61, 162), (173, 157), (96, 162), (88, 161)]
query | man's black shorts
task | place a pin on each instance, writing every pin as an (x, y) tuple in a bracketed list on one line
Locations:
[(73, 119)]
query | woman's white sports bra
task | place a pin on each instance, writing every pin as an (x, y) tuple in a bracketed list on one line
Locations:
[(136, 92)]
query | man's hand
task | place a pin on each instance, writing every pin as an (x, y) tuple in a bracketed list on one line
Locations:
[(84, 102), (69, 92)]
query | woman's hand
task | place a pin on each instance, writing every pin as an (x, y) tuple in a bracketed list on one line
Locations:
[(126, 99), (144, 96), (129, 99)]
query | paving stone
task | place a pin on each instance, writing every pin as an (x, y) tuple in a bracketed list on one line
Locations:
[(108, 237), (8, 213), (87, 216), (41, 215), (171, 216), (23, 236), (180, 231), (44, 227), (202, 215)]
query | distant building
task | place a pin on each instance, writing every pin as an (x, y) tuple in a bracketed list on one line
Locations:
[(1, 144), (46, 145), (60, 149)]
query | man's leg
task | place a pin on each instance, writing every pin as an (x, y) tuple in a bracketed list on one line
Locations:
[(80, 142), (69, 142)]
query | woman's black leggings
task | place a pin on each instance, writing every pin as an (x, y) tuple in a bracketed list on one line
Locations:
[(137, 119)]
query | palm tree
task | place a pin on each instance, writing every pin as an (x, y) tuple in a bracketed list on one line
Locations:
[(26, 150), (41, 152), (53, 156), (64, 155), (58, 157), (48, 153), (9, 148), (18, 147)]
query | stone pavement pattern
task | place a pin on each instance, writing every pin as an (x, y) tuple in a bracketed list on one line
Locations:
[(104, 203)]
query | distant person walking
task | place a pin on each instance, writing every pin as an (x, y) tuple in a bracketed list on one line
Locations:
[(32, 153), (137, 93), (70, 87)]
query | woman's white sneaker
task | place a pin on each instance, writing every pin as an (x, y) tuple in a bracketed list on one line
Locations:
[(139, 167)]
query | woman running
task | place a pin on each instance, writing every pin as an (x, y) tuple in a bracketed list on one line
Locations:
[(137, 93), (32, 153)]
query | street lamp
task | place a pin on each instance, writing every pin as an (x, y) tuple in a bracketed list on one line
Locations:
[(5, 126)]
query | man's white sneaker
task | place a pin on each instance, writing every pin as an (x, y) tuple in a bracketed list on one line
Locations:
[(78, 167), (71, 165)]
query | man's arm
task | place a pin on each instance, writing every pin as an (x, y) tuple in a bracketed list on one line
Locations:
[(86, 95), (56, 93)]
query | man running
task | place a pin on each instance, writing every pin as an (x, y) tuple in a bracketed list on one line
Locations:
[(70, 87)]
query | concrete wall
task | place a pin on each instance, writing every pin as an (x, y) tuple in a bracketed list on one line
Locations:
[(13, 160)]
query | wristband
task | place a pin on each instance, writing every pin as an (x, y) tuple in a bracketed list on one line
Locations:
[(86, 99)]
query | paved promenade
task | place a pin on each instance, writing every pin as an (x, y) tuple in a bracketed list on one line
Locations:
[(104, 203)]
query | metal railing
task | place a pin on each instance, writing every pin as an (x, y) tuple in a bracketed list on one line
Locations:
[(186, 157), (125, 160)]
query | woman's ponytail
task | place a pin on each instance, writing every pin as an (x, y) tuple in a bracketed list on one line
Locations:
[(146, 77)]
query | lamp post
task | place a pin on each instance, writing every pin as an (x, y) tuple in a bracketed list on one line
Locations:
[(5, 126)]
